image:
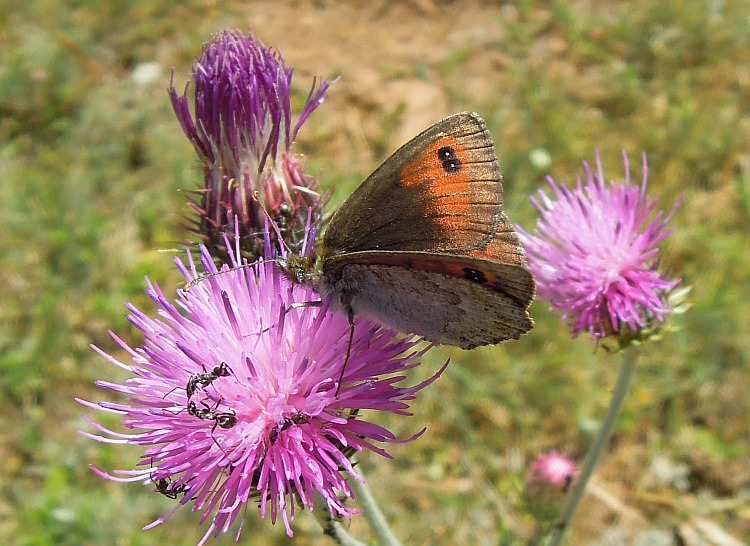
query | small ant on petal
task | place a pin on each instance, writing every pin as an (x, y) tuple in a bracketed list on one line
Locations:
[(166, 488), (298, 418), (224, 419), (205, 379)]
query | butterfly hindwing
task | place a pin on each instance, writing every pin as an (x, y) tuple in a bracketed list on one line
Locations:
[(513, 281), (447, 299)]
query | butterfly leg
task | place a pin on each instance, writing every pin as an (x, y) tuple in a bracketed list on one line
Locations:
[(348, 350)]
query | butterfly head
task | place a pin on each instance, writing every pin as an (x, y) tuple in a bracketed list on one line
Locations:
[(301, 269)]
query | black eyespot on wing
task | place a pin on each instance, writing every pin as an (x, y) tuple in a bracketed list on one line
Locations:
[(474, 275), (447, 156)]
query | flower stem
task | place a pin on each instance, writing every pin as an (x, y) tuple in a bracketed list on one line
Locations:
[(337, 532), (372, 512), (622, 387)]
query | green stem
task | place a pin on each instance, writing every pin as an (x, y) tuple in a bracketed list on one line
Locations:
[(372, 512), (622, 387), (337, 532)]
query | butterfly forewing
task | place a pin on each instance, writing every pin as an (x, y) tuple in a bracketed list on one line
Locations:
[(440, 192)]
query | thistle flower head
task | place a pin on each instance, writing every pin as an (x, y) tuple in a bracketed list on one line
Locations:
[(552, 469), (595, 257), (243, 133), (234, 395), (547, 481)]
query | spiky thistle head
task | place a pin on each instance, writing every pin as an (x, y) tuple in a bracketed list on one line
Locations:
[(235, 395), (594, 254), (242, 130)]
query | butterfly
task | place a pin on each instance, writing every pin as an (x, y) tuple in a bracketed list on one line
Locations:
[(423, 245)]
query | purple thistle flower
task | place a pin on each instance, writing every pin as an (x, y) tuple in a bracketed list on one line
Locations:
[(243, 133), (594, 253), (234, 395), (551, 470), (547, 481)]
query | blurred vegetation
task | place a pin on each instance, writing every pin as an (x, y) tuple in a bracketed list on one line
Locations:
[(92, 161)]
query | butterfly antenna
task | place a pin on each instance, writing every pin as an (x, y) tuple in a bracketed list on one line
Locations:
[(199, 279)]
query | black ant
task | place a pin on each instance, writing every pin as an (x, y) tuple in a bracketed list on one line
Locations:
[(282, 220), (300, 418), (206, 378), (224, 420), (166, 487), (163, 487), (296, 419)]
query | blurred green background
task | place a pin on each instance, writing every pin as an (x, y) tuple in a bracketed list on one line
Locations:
[(92, 162)]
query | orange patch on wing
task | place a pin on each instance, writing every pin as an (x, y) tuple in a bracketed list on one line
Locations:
[(507, 251), (447, 181)]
